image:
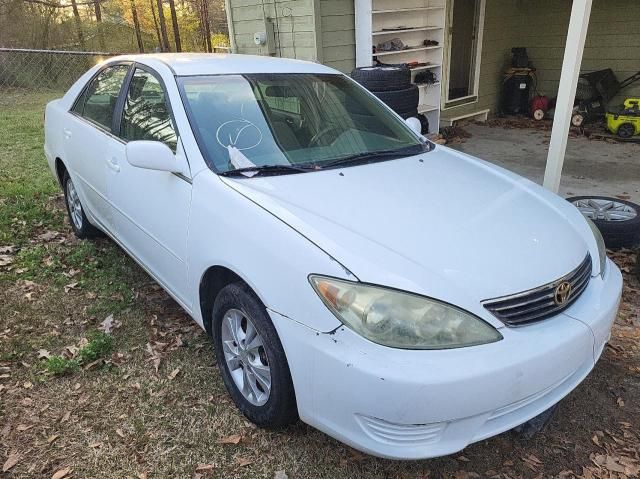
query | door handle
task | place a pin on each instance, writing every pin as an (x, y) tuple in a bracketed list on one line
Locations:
[(66, 132), (113, 164)]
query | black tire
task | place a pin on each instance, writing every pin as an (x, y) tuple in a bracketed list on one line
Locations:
[(400, 101), (383, 78), (280, 409), (616, 234), (626, 130), (81, 226)]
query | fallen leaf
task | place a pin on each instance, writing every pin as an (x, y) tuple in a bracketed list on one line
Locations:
[(11, 461), (174, 373), (233, 439), (48, 235), (109, 324), (7, 249), (620, 402), (120, 433), (53, 438), (59, 474), (43, 354), (24, 427), (204, 467), (243, 461), (95, 445), (5, 259), (27, 385), (70, 286), (280, 475)]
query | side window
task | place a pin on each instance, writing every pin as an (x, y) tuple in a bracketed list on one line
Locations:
[(146, 113), (99, 100)]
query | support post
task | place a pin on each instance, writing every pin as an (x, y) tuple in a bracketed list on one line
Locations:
[(576, 35)]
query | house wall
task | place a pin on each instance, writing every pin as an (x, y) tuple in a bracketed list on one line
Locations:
[(613, 40), (294, 25), (338, 37), (323, 30)]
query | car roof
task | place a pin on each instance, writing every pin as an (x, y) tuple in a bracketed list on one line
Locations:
[(184, 64)]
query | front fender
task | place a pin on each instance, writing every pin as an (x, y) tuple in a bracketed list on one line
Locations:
[(227, 229)]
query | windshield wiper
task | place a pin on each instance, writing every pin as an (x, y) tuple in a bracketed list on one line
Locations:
[(370, 157), (255, 170)]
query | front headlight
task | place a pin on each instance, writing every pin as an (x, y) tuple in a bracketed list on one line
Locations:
[(602, 249), (401, 320)]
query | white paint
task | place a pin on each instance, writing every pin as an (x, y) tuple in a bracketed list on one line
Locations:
[(574, 48), (364, 31), (441, 224)]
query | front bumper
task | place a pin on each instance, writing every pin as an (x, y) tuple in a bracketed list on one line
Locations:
[(405, 404)]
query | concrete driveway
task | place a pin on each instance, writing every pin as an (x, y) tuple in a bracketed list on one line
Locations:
[(591, 166)]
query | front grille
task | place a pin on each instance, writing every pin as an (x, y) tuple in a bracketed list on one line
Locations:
[(539, 303)]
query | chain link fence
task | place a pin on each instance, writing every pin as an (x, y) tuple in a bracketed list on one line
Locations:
[(50, 69), (44, 69)]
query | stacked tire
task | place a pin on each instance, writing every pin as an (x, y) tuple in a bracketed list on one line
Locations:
[(391, 84)]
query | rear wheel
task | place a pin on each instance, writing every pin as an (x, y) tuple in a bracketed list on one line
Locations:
[(251, 359), (79, 222), (626, 130)]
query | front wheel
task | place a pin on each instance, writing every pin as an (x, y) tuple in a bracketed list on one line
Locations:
[(251, 359), (626, 130)]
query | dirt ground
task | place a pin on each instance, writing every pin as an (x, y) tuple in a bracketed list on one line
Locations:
[(153, 405)]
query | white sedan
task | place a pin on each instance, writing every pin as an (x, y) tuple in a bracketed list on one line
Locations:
[(402, 297)]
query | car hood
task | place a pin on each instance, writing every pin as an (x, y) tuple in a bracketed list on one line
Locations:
[(442, 224)]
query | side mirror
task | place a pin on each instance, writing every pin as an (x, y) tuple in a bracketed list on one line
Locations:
[(414, 124), (152, 155)]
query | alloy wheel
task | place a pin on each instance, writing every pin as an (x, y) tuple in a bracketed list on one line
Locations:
[(75, 207), (607, 210), (245, 356)]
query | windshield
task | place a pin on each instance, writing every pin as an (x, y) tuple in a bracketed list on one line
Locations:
[(283, 120)]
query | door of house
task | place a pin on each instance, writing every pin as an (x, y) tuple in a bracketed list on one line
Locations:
[(465, 21)]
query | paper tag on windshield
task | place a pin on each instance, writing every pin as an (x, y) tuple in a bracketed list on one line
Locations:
[(239, 160)]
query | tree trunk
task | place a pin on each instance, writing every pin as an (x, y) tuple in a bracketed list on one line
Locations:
[(136, 25), (176, 29), (163, 27), (78, 23), (205, 23), (98, 11), (155, 23)]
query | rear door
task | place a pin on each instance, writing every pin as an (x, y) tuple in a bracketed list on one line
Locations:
[(151, 208), (87, 132)]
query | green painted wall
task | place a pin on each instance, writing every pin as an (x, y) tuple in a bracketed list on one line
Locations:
[(294, 25), (337, 29), (613, 39), (324, 30)]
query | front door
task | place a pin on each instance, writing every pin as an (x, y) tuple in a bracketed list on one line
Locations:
[(465, 22), (87, 131), (151, 208)]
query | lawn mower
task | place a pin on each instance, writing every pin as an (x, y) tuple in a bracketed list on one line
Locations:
[(594, 91), (625, 122)]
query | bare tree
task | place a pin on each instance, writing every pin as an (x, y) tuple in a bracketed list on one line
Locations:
[(98, 12), (78, 24), (163, 28), (155, 23), (204, 20), (136, 26), (176, 29)]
